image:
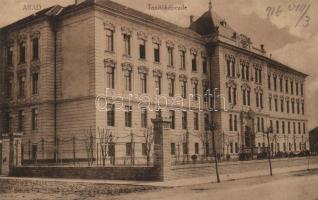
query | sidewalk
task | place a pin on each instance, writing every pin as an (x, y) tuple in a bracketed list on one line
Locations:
[(179, 182)]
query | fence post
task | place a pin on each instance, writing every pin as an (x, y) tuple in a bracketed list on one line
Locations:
[(74, 151)]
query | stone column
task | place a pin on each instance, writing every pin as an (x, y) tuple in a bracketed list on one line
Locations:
[(162, 151)]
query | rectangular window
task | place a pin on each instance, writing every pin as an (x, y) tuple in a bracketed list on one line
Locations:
[(297, 89), (35, 48), (196, 120), (262, 123), (299, 129), (258, 124), (171, 87), (158, 85), (196, 148), (277, 126), (157, 53), (276, 105), (184, 120), (144, 118), (111, 114), (195, 91), (288, 127), (22, 53), (35, 78), (110, 77), (21, 86), (170, 56), (143, 78), (298, 110), (128, 149), (235, 122), (231, 122), (183, 59), (283, 127), (144, 149), (204, 66), (302, 89), (109, 40), (293, 107), (304, 128), (287, 106), (281, 84), (128, 116), (20, 120), (234, 96), (10, 56), (128, 80), (194, 62), (292, 87), (248, 97), (236, 147), (173, 149), (282, 105), (270, 103), (303, 108), (206, 121), (127, 45), (244, 97), (271, 124), (269, 81), (185, 148), (172, 117), (34, 119), (228, 64), (184, 89), (275, 82), (142, 49), (294, 127), (286, 86)]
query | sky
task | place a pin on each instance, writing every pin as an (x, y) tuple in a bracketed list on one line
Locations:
[(287, 28)]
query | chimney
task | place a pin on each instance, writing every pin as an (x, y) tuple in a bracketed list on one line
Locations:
[(191, 19)]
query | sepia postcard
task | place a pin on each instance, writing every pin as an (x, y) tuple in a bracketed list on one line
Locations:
[(158, 99)]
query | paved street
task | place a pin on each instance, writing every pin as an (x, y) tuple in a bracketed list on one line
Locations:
[(292, 186)]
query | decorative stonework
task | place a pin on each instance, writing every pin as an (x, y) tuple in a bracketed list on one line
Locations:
[(194, 80), (142, 35), (258, 89), (287, 98), (21, 72), (125, 30), (109, 63), (10, 42), (205, 83), (245, 86), (109, 26), (182, 48), (126, 66), (230, 57), (183, 77), (156, 39), (231, 83), (193, 51), (35, 68), (35, 34), (171, 75), (22, 38), (157, 73), (245, 41), (282, 97), (170, 44), (142, 70)]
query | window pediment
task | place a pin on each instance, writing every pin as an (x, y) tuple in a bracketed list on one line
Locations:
[(126, 66), (109, 63), (125, 30), (157, 73), (171, 75), (142, 70), (183, 77), (194, 80), (109, 26), (156, 40), (142, 35)]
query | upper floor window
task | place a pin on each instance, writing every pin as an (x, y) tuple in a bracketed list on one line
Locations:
[(204, 66), (20, 120), (297, 89), (232, 95), (287, 106), (183, 89), (144, 118), (35, 80), (292, 87), (157, 53), (276, 105), (21, 86), (286, 86), (302, 89), (196, 121), (230, 63), (10, 56), (195, 90), (109, 40), (303, 108), (158, 84), (143, 81), (194, 62), (35, 48), (259, 99), (182, 59), (170, 55), (245, 71), (281, 84), (275, 83), (270, 103), (34, 119), (142, 49), (171, 87), (246, 95), (110, 77), (128, 116), (111, 114), (127, 44), (172, 117), (128, 80), (22, 53), (258, 75), (282, 105), (269, 81), (293, 107), (184, 120)]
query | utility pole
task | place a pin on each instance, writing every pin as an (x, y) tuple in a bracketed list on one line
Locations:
[(212, 128), (269, 151)]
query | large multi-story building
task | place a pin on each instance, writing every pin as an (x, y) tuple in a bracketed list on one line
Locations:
[(58, 65)]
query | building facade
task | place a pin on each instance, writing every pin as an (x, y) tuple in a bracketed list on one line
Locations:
[(98, 68)]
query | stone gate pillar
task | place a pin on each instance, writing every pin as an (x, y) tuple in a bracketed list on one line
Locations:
[(162, 152), (11, 153)]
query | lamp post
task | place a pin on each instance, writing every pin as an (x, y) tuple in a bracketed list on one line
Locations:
[(212, 128), (269, 130)]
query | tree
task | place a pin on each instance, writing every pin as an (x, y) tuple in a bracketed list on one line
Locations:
[(104, 140)]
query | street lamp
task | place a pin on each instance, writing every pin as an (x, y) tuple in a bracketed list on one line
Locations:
[(269, 130), (212, 127)]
